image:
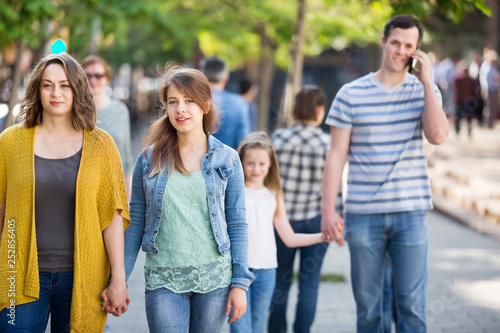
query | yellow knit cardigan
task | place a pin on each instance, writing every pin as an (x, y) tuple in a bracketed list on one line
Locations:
[(100, 189)]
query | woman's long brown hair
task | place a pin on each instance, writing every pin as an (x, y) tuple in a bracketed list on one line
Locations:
[(84, 113), (161, 135)]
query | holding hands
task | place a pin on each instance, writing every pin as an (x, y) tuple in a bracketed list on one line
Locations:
[(332, 228), (115, 298)]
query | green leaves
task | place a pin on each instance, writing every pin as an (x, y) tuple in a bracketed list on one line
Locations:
[(157, 30), (25, 20)]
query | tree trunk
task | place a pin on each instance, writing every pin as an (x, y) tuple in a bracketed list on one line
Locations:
[(295, 67), (491, 25), (96, 34), (266, 77), (15, 84)]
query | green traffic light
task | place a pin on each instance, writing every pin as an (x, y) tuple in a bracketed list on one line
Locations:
[(58, 47)]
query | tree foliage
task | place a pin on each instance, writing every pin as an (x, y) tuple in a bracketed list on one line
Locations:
[(152, 31), (453, 9), (25, 20)]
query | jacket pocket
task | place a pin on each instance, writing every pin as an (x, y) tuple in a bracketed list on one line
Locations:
[(225, 171)]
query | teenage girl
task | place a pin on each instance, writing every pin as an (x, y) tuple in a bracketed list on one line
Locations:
[(265, 212), (188, 213)]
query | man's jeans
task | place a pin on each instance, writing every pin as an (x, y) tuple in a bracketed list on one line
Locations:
[(389, 304), (404, 237), (311, 260), (258, 301), (167, 311), (54, 299)]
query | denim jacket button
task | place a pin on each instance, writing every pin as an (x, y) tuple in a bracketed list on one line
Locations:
[(214, 214), (218, 234), (212, 193), (209, 172)]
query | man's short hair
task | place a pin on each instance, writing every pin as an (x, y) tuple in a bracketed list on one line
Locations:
[(245, 85), (403, 22), (215, 69)]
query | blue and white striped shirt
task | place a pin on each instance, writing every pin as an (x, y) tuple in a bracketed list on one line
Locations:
[(387, 164)]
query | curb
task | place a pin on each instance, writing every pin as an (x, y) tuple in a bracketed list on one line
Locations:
[(466, 217)]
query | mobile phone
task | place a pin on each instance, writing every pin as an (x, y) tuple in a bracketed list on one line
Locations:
[(410, 63)]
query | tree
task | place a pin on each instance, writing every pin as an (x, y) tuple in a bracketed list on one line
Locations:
[(24, 24), (294, 75), (148, 32)]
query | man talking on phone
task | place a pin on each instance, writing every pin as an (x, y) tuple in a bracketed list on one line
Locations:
[(377, 122)]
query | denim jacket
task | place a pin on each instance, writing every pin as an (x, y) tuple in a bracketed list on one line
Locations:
[(224, 181)]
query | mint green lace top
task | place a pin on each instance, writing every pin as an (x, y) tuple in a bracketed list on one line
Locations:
[(188, 259)]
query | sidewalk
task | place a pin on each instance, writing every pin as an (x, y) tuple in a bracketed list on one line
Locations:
[(465, 179), (463, 293)]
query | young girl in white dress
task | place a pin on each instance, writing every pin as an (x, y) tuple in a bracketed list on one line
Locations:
[(265, 210)]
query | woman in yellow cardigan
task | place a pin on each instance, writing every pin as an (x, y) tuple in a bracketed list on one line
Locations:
[(63, 209)]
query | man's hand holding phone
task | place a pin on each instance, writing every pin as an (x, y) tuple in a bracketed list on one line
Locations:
[(410, 63), (424, 74)]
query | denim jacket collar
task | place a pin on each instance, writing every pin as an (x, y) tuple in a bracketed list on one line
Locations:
[(214, 144)]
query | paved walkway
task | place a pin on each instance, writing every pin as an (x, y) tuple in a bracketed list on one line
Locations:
[(463, 289), (464, 266), (465, 178)]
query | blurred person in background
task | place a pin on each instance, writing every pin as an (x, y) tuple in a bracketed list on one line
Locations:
[(234, 109), (475, 64), (248, 90), (489, 78), (435, 67), (301, 150), (467, 96), (446, 74), (112, 115)]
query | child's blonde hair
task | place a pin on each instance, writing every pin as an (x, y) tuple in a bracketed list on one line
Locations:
[(260, 140)]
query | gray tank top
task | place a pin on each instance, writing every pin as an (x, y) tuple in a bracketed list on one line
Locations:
[(55, 192)]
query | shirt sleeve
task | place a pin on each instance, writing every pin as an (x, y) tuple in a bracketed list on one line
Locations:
[(438, 94), (340, 114), (237, 227), (133, 234)]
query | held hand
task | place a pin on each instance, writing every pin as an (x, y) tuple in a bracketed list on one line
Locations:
[(238, 300), (425, 72), (115, 298), (332, 228)]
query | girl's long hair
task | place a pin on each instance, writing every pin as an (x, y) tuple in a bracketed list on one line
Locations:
[(260, 140), (161, 135), (84, 113)]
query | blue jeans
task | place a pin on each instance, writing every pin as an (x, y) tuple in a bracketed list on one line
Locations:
[(311, 260), (389, 304), (404, 237), (258, 301), (191, 312), (54, 299)]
